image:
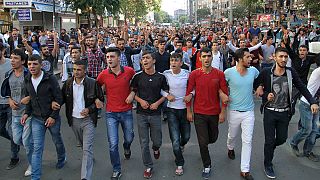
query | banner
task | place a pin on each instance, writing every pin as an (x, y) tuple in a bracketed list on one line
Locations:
[(16, 3), (21, 14)]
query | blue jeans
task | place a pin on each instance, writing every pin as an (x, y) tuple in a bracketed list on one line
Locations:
[(179, 129), (312, 137), (113, 119), (6, 130), (38, 137), (22, 135), (308, 123)]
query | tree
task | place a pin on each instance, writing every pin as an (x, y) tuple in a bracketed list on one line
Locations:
[(96, 7), (183, 19), (162, 17), (138, 8), (251, 7), (313, 7), (239, 11), (203, 13)]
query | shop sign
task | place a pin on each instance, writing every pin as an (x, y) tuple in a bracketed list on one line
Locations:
[(21, 14), (16, 3)]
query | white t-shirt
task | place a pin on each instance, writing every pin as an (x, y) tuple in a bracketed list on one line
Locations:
[(36, 81), (217, 61), (177, 87), (313, 84)]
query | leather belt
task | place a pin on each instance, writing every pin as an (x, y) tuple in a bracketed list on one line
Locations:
[(278, 110)]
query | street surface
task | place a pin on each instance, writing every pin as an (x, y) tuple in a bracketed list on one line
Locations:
[(287, 166)]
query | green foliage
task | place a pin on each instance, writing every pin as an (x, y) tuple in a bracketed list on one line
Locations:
[(162, 17), (138, 8), (313, 7), (98, 6), (203, 13), (183, 19)]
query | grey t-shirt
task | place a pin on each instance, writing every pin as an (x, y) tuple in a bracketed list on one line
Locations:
[(267, 52), (280, 89), (17, 92), (5, 67)]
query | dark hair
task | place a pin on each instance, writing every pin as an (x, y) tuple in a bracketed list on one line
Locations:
[(82, 62), (42, 46), (145, 52), (281, 49), (176, 55), (215, 42), (269, 37), (180, 41), (75, 47), (115, 50), (189, 40), (304, 46), (205, 50), (239, 54), (120, 39), (203, 42), (35, 57), (161, 41), (21, 53)]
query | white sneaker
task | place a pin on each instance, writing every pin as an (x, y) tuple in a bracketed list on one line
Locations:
[(28, 171)]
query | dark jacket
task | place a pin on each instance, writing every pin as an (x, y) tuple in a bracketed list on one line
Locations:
[(128, 52), (5, 87), (40, 102), (264, 79), (91, 92), (11, 42)]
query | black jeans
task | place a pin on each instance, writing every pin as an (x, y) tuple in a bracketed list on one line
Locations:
[(207, 133), (275, 132)]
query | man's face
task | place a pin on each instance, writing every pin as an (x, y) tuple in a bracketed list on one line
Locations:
[(281, 59), (16, 61), (255, 24), (246, 59), (223, 41), (189, 44), (120, 45), (45, 51), (70, 47), (72, 40), (215, 46), (156, 43), (14, 34), (79, 71), (75, 54), (303, 52), (112, 59), (147, 61), (255, 39), (206, 58), (162, 46), (203, 45), (100, 41), (132, 42), (92, 42), (179, 45), (34, 67), (175, 64), (242, 44)]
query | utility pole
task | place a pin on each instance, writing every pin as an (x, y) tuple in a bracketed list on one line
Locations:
[(54, 16), (196, 12)]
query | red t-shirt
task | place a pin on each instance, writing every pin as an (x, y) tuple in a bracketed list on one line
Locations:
[(206, 86), (117, 88)]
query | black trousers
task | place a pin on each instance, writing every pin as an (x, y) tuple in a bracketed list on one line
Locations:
[(275, 132), (207, 133)]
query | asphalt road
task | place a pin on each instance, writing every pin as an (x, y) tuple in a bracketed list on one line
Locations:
[(287, 166)]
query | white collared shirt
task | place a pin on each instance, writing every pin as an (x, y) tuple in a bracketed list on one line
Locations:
[(78, 99)]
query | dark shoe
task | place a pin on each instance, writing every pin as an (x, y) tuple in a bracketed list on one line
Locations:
[(156, 154), (127, 153), (206, 172), (231, 154), (269, 172), (295, 150), (116, 175), (311, 156), (61, 164), (147, 173), (246, 175), (13, 163)]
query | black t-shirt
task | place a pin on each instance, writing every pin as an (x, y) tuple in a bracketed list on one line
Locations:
[(47, 64), (280, 89), (162, 61), (148, 88)]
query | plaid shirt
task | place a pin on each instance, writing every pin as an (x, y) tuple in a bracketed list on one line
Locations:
[(95, 62)]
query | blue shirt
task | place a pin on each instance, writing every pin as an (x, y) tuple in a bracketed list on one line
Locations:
[(241, 88)]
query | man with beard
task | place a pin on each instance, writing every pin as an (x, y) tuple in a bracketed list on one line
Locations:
[(96, 58), (208, 113), (48, 58), (116, 79), (277, 116), (240, 79), (126, 53)]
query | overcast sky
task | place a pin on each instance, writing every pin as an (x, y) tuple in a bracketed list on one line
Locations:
[(171, 5)]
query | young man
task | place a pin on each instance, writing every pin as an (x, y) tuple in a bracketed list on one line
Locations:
[(179, 126), (217, 57), (49, 57), (147, 85), (5, 110), (277, 115), (309, 127), (17, 100), (116, 79), (206, 81), (240, 79), (79, 95), (43, 89)]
